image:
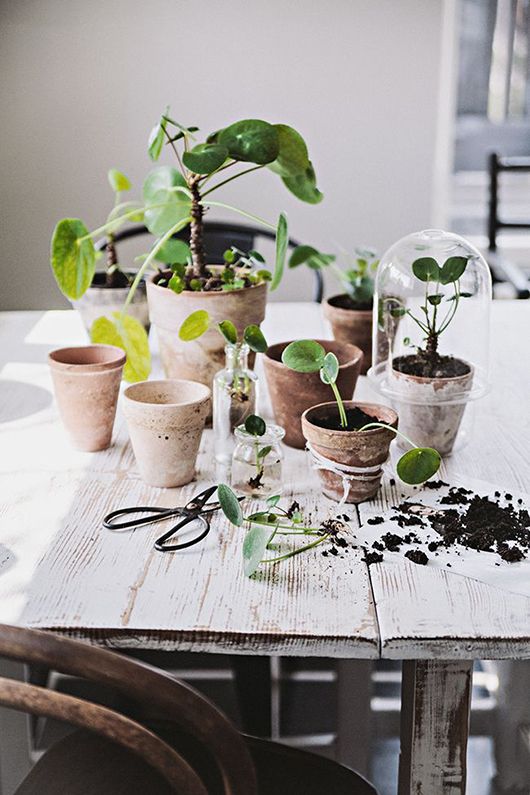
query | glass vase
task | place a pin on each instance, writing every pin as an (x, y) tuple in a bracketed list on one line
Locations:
[(257, 462)]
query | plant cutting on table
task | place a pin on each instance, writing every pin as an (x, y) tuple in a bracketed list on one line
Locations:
[(415, 466)]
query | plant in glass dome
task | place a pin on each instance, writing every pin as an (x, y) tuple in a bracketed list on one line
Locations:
[(235, 386), (349, 441), (433, 292), (350, 312)]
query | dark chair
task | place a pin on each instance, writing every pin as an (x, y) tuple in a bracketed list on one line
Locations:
[(218, 237), (194, 750), (501, 268)]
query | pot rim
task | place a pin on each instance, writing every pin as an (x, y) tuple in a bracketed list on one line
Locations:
[(341, 309), (357, 355), (93, 286), (422, 379), (352, 404), (171, 382), (63, 359), (201, 294)]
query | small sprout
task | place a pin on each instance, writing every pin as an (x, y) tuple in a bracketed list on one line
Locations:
[(198, 323)]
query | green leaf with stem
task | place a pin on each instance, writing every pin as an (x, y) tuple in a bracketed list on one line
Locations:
[(452, 269), (426, 269), (255, 339), (310, 256), (304, 186), (255, 545), (229, 504), (340, 405), (174, 251), (228, 330), (73, 257), (167, 199), (205, 158), (304, 356), (156, 138), (195, 325), (293, 158), (118, 181), (127, 333), (282, 241), (418, 465), (330, 368), (251, 140), (255, 425)]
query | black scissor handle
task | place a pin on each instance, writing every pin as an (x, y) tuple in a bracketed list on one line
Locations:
[(161, 546), (153, 515)]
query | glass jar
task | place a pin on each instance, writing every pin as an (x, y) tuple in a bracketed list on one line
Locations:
[(257, 462), (234, 399)]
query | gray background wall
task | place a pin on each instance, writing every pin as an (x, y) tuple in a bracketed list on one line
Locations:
[(368, 83)]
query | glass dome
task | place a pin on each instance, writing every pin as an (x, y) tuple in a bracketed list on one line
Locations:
[(431, 333)]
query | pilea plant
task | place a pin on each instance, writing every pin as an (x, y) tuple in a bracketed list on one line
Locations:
[(257, 427), (200, 321), (433, 322), (276, 522), (357, 280), (308, 356)]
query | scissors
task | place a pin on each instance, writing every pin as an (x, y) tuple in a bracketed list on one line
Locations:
[(196, 510)]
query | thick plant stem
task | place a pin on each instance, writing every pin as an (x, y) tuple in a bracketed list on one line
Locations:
[(196, 231), (431, 348)]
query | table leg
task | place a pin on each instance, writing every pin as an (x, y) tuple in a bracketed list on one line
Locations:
[(435, 704), (354, 691), (15, 750)]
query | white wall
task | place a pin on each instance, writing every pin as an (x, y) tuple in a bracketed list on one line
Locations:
[(83, 82)]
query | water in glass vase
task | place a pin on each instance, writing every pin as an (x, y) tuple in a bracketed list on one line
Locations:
[(257, 462), (234, 399)]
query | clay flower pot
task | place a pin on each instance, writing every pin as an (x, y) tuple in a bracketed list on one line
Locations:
[(350, 325), (102, 301), (165, 421), (86, 381), (431, 411), (202, 358), (291, 392), (364, 450)]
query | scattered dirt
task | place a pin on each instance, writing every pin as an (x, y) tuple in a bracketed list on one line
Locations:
[(417, 556), (372, 557), (420, 365), (356, 419)]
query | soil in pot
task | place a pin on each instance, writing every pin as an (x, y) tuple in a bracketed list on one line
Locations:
[(291, 392), (349, 462), (434, 399), (103, 298), (351, 322), (356, 419)]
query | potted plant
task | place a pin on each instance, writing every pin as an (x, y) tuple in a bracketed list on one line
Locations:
[(348, 441), (349, 312), (292, 392), (236, 288)]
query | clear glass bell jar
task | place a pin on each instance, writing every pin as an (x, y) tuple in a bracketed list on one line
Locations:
[(431, 335)]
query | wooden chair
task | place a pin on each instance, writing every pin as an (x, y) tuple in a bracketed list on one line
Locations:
[(198, 753)]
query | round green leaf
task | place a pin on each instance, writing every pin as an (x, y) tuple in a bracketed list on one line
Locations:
[(174, 251), (195, 325), (304, 186), (330, 368), (251, 140), (118, 181), (165, 206), (254, 338), (282, 241), (452, 269), (426, 269), (73, 260), (205, 158), (254, 547), (304, 356), (229, 504), (128, 334), (229, 331), (307, 255), (255, 425), (293, 158), (156, 138), (418, 465)]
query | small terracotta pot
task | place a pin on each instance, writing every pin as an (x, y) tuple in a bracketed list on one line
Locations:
[(351, 449), (165, 421), (102, 301), (426, 414), (200, 359), (291, 393), (351, 325), (86, 381)]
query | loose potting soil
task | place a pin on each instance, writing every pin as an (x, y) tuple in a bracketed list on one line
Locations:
[(356, 419), (419, 364)]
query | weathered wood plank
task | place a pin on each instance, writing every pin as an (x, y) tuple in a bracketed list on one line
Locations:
[(435, 704)]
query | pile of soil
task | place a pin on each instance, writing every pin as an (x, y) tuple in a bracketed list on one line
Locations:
[(210, 283), (482, 524), (356, 419), (419, 364), (345, 302)]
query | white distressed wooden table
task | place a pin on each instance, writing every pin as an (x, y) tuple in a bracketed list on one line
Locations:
[(60, 570)]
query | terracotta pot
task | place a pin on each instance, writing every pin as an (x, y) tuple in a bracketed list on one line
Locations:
[(351, 325), (86, 381), (101, 301), (165, 421), (350, 449), (200, 359), (291, 393), (425, 415)]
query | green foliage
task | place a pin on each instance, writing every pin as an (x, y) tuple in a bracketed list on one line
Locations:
[(174, 252), (330, 368), (293, 158), (304, 186), (128, 334), (73, 257), (198, 323), (156, 138), (229, 331), (418, 465), (251, 140), (282, 240), (357, 280), (254, 547), (255, 339), (426, 269), (304, 356), (229, 504), (195, 325), (166, 198), (205, 158), (255, 425), (118, 181)]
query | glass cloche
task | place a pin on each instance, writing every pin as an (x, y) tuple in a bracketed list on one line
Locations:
[(431, 334)]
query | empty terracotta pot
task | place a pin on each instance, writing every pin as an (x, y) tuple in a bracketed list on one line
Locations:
[(165, 421), (350, 325), (291, 393), (365, 451), (86, 381)]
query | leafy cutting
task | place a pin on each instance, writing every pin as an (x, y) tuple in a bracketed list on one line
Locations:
[(357, 280)]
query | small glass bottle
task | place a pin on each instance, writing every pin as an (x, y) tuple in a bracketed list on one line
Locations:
[(234, 399), (257, 462)]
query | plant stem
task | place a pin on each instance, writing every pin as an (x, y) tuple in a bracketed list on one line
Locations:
[(242, 212), (196, 230), (388, 427), (229, 179), (298, 551), (340, 405), (172, 143)]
